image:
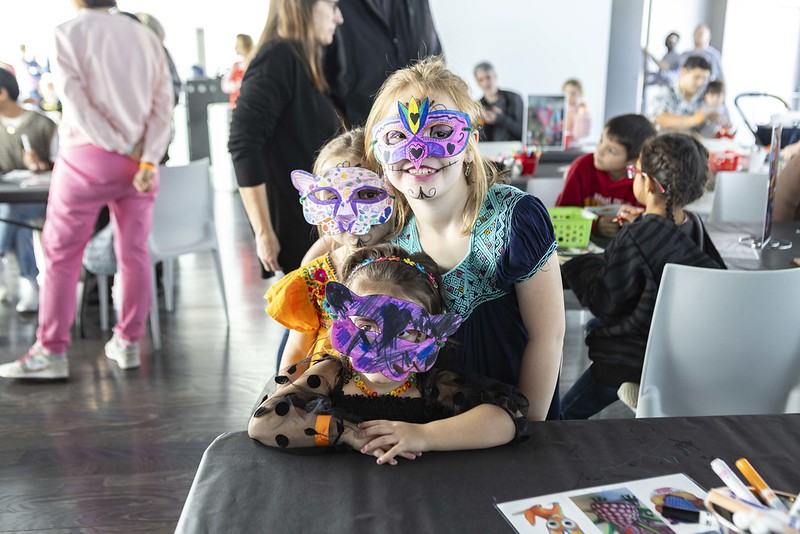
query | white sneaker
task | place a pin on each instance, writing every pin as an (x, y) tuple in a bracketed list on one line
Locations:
[(5, 293), (125, 353), (28, 296), (37, 363), (628, 393)]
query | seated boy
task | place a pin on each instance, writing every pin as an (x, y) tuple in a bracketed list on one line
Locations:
[(716, 116), (600, 179), (34, 153)]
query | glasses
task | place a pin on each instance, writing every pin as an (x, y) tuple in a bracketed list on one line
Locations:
[(633, 171)]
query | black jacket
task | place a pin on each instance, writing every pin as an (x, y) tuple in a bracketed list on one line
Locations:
[(366, 50), (280, 122), (508, 126), (620, 286)]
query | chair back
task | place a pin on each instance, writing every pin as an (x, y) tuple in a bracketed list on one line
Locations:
[(740, 197), (183, 215), (545, 189), (723, 343)]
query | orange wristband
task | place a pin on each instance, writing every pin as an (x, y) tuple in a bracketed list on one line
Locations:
[(322, 427), (147, 166)]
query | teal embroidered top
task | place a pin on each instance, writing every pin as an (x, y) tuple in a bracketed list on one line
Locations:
[(511, 240)]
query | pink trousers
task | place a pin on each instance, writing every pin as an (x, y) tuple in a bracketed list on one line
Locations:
[(86, 178)]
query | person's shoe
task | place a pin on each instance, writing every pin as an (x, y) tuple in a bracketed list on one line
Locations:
[(628, 393), (37, 363), (125, 353), (28, 296), (5, 292)]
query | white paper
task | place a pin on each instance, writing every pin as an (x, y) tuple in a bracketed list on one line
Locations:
[(637, 498), (609, 210)]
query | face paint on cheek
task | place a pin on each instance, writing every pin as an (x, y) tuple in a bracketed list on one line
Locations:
[(418, 133)]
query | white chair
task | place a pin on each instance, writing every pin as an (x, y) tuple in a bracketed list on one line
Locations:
[(545, 189), (739, 197), (723, 343), (183, 223)]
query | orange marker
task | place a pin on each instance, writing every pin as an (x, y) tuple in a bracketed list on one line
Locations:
[(758, 483)]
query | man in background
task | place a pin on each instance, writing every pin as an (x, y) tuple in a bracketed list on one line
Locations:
[(377, 38), (703, 48), (28, 141)]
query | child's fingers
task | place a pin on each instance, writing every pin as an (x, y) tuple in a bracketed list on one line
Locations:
[(410, 455), (380, 429), (379, 443), (389, 456)]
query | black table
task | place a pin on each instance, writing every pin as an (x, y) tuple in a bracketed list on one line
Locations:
[(13, 192), (769, 259), (242, 486)]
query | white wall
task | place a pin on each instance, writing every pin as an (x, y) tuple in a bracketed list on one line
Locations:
[(34, 21), (535, 45), (760, 51)]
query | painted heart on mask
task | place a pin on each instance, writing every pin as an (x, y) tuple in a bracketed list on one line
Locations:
[(450, 148), (416, 152), (414, 117)]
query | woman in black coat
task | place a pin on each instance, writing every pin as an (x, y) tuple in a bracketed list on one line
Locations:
[(283, 117)]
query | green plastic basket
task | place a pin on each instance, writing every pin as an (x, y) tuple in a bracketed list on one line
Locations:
[(573, 226)]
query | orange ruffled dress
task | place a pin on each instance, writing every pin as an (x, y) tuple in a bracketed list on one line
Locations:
[(296, 302)]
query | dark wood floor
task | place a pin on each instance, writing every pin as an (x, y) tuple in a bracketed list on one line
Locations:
[(116, 451)]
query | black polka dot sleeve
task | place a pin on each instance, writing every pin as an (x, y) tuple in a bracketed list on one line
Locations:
[(297, 410), (456, 393)]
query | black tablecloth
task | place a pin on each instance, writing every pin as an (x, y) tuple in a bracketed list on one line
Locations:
[(768, 259), (242, 486)]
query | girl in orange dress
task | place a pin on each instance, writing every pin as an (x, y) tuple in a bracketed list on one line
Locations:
[(352, 206)]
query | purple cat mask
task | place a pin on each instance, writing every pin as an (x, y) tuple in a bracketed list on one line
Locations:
[(418, 133), (344, 199), (384, 351)]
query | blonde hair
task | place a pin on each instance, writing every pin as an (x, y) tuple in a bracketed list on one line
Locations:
[(347, 147), (246, 42), (424, 78), (291, 20), (575, 83)]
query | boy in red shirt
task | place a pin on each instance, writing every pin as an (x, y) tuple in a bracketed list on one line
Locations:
[(600, 179)]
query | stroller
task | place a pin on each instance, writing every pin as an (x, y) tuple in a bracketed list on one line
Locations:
[(765, 105)]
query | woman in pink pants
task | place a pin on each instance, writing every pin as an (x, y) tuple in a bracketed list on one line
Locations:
[(114, 130)]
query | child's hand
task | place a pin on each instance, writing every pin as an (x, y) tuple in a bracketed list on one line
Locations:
[(607, 226), (388, 439), (628, 214)]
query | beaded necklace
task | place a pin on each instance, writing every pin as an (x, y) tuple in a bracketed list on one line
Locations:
[(359, 380)]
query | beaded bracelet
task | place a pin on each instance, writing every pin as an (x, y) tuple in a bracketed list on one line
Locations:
[(147, 166)]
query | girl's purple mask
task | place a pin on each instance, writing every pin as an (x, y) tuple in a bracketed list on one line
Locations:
[(384, 352), (424, 133), (344, 199)]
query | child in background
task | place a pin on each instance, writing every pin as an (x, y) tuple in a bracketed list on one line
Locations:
[(619, 287), (716, 113), (232, 79), (577, 122), (599, 179), (380, 396), (352, 207)]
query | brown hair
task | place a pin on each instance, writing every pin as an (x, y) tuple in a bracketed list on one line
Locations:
[(425, 77), (680, 163), (406, 280), (291, 20)]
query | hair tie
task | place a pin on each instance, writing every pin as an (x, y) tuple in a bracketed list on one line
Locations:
[(407, 261)]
